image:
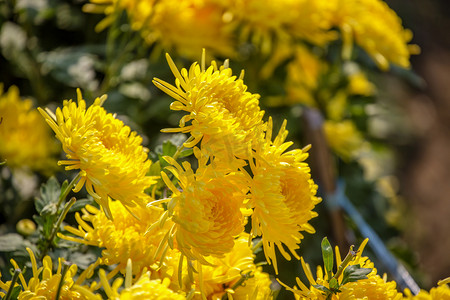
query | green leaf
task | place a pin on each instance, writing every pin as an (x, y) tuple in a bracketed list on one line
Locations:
[(327, 254), (168, 148), (333, 284), (11, 242), (50, 192), (186, 153), (15, 292), (354, 273)]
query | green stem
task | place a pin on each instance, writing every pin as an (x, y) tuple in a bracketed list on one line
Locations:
[(56, 226), (181, 148), (13, 282), (66, 192), (350, 255), (257, 245), (64, 270)]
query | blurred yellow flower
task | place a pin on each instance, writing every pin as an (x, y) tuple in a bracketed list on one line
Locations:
[(223, 277), (376, 28), (122, 238), (25, 140), (184, 27), (110, 157), (221, 113), (267, 23), (440, 292), (189, 26), (207, 210), (283, 195), (44, 284), (374, 287), (343, 138), (303, 74), (360, 85)]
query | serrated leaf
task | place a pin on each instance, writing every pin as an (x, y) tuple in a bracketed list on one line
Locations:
[(11, 242), (79, 204), (354, 273), (49, 209), (327, 255), (49, 193)]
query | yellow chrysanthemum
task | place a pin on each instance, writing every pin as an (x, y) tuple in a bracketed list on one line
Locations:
[(376, 28), (222, 114), (189, 26), (122, 238), (143, 288), (282, 195), (207, 210), (226, 275), (440, 292), (25, 140), (343, 138), (184, 27), (266, 23), (110, 157), (374, 287), (45, 285)]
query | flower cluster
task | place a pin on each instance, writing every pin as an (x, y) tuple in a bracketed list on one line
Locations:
[(241, 171), (44, 284), (189, 224), (278, 192), (221, 26)]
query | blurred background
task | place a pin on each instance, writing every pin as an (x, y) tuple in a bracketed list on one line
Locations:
[(49, 48)]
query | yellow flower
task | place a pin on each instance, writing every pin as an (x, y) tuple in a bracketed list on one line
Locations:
[(143, 288), (440, 292), (282, 195), (223, 277), (207, 210), (374, 287), (343, 137), (266, 23), (376, 28), (184, 27), (44, 284), (122, 238), (221, 113), (24, 138), (360, 85), (303, 74), (189, 26), (110, 157)]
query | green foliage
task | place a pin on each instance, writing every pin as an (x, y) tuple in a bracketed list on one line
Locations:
[(351, 273), (354, 273), (328, 257)]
